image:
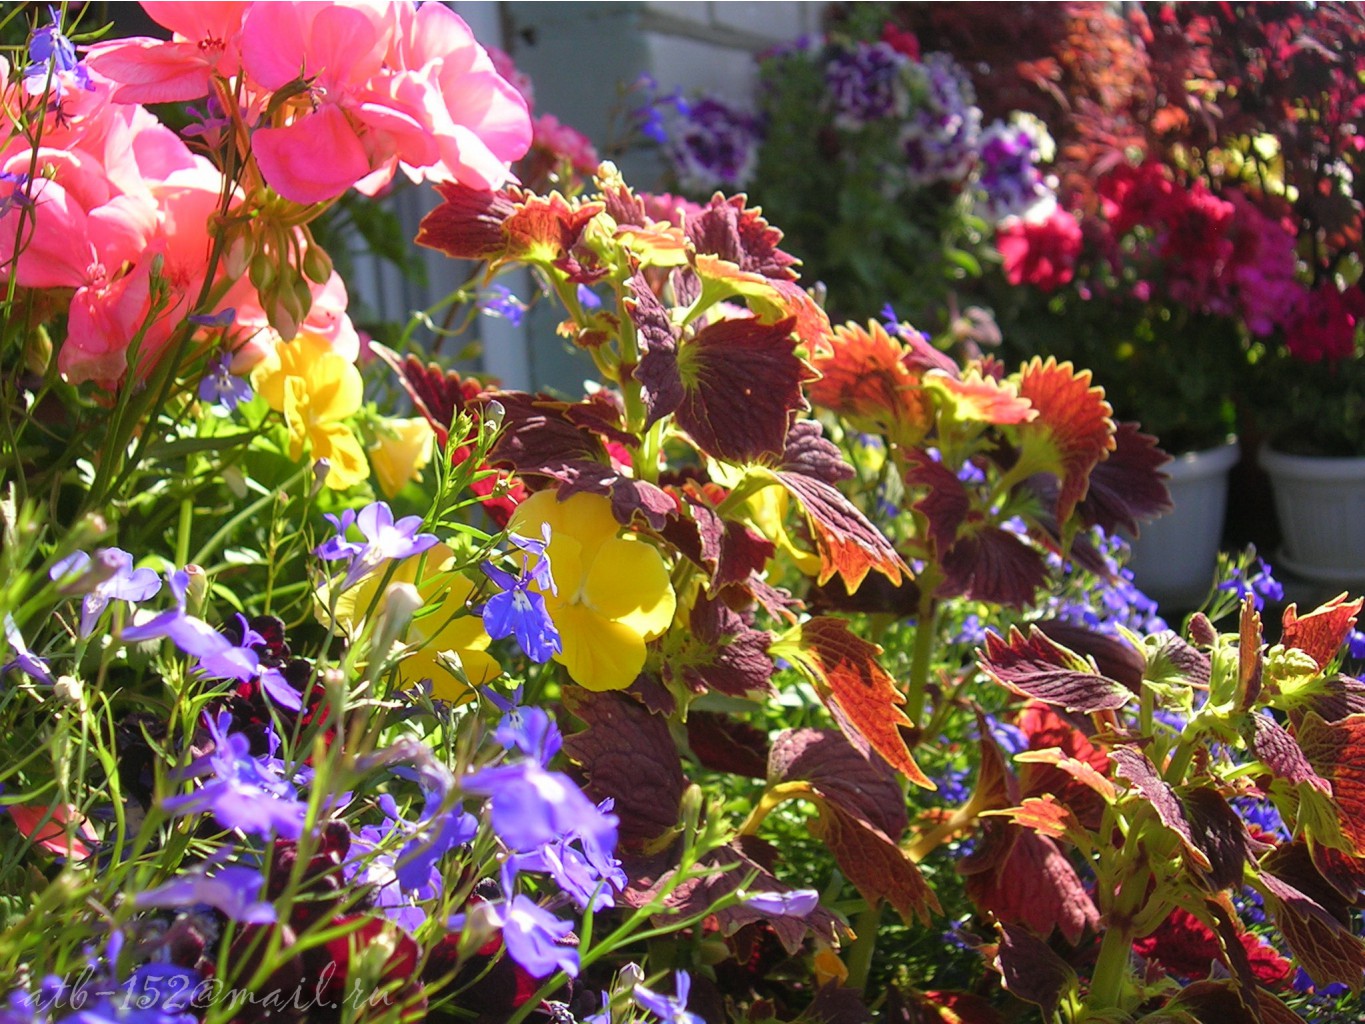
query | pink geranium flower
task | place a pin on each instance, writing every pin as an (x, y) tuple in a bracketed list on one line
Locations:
[(1040, 254), (206, 41)]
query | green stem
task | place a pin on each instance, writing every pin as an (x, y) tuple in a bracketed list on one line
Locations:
[(1111, 969), (860, 953), (923, 652)]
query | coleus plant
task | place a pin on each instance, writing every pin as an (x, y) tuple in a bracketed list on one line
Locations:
[(668, 496), (1146, 772)]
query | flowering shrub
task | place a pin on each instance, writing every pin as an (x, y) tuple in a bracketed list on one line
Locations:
[(579, 720)]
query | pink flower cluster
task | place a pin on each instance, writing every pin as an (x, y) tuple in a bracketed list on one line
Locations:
[(1213, 253), (1041, 254), (367, 88), (112, 216)]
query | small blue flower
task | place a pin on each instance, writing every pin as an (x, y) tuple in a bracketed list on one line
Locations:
[(534, 937), (24, 659), (385, 540), (50, 52), (221, 389), (793, 903), (242, 792), (519, 611), (500, 302), (233, 891), (1355, 644), (1259, 585), (108, 576), (587, 298), (529, 729), (669, 1009)]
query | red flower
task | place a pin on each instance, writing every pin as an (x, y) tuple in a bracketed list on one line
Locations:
[(1325, 324), (1185, 946), (901, 41), (1042, 255)]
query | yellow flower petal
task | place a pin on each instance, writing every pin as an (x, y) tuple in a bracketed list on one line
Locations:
[(587, 518), (335, 443), (401, 453), (599, 654), (628, 582), (335, 388)]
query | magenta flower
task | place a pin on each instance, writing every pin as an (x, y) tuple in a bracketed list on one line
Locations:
[(206, 40)]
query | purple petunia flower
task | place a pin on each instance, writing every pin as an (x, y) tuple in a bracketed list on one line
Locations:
[(669, 1009), (385, 540), (1009, 175), (865, 85), (108, 576), (233, 891), (713, 146), (242, 792), (221, 389)]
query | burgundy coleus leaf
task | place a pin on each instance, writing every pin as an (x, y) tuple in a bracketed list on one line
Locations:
[(1343, 872), (438, 394), (1179, 661), (993, 565), (468, 224), (1325, 946), (836, 1004), (726, 549), (878, 868), (1221, 835), (724, 743), (1280, 752), (1321, 632), (864, 787), (865, 701), (1223, 1002), (945, 504), (722, 652), (1026, 879), (1112, 655), (1133, 765), (875, 595), (627, 755), (741, 383), (1030, 969), (657, 372), (1128, 488), (1073, 431), (726, 229), (807, 451), (1336, 751), (1345, 695), (847, 543), (1034, 666)]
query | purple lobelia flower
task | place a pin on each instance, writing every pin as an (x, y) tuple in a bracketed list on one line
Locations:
[(23, 659), (50, 52), (529, 729), (242, 792), (385, 540), (221, 389), (501, 303), (669, 1009), (233, 891), (217, 655), (1256, 582), (107, 576), (534, 937), (865, 85), (519, 611)]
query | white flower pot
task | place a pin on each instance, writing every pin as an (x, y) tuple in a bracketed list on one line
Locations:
[(1321, 506), (1174, 557)]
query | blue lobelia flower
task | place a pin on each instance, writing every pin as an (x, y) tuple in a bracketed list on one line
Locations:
[(669, 1009), (107, 576), (385, 540), (1256, 582), (233, 891), (221, 389), (529, 729), (534, 937), (24, 659), (217, 655), (242, 792), (50, 52), (501, 303), (519, 611)]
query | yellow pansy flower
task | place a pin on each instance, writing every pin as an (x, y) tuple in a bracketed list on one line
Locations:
[(614, 593), (316, 389), (401, 451), (443, 624)]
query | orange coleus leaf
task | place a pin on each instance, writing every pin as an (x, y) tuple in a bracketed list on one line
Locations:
[(847, 543), (1336, 751), (1321, 632), (980, 399), (1073, 431), (1041, 814), (865, 379), (859, 694), (770, 299), (543, 229), (1082, 771)]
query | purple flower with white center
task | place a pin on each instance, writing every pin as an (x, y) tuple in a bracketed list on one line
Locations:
[(108, 576), (370, 863), (385, 540), (500, 302), (50, 52), (534, 937), (233, 891), (530, 729), (939, 140), (217, 656), (713, 146), (669, 1009), (242, 792), (519, 611), (973, 630), (24, 659), (865, 85), (1009, 176), (221, 389)]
